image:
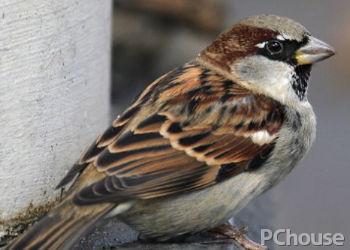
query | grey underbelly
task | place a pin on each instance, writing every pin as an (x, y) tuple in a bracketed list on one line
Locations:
[(196, 211)]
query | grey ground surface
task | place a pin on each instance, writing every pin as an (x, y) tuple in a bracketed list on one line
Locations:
[(116, 235)]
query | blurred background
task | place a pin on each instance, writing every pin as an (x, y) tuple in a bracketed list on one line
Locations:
[(152, 37)]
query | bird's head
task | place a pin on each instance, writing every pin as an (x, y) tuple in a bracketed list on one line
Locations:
[(268, 54)]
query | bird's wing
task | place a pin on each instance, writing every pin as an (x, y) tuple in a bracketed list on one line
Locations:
[(189, 130)]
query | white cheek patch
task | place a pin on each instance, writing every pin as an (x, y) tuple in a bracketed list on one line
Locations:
[(280, 88), (262, 137), (270, 77)]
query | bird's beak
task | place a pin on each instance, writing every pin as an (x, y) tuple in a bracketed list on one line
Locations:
[(314, 51)]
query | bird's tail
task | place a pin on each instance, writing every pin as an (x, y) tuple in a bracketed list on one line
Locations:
[(61, 228)]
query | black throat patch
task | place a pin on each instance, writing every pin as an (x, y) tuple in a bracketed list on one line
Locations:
[(301, 80)]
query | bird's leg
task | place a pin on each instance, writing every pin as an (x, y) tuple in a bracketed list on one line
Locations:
[(238, 235)]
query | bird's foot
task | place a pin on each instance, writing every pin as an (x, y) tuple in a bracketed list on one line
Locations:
[(237, 234)]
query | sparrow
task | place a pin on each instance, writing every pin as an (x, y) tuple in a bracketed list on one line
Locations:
[(198, 143)]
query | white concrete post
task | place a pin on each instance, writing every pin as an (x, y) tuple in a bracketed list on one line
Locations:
[(54, 97)]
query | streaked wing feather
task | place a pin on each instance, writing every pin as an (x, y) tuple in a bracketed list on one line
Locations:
[(200, 134)]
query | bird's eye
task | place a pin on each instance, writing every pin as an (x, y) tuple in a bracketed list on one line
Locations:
[(274, 47)]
